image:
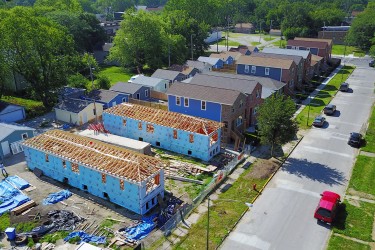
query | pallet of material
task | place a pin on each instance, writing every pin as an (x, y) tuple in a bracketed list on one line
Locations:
[(18, 210)]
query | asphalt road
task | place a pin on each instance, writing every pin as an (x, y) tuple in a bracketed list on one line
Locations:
[(282, 217)]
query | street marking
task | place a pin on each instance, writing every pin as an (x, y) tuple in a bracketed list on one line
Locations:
[(249, 240), (321, 151), (346, 123), (295, 187)]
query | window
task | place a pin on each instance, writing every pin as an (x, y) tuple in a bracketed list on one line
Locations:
[(124, 99), (139, 125), (47, 160), (239, 121), (104, 178), (267, 71), (253, 69), (258, 93), (203, 105), (189, 152), (122, 185), (186, 102), (124, 122), (158, 143), (150, 128), (138, 96), (157, 179), (84, 187), (64, 163), (191, 138), (105, 195), (241, 103), (174, 134), (255, 110), (75, 168), (24, 136), (140, 139), (246, 68), (291, 84), (146, 92), (147, 206), (178, 101), (225, 124), (232, 110)]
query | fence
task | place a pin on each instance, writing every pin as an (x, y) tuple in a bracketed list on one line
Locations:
[(186, 209), (159, 95), (149, 104)]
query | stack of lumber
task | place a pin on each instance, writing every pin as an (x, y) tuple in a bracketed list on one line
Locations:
[(18, 210)]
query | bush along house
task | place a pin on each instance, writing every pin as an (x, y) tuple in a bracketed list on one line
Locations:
[(121, 176), (192, 136)]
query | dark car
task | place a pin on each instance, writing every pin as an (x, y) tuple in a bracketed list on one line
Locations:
[(344, 87), (327, 207), (319, 121), (371, 63), (355, 139), (330, 109)]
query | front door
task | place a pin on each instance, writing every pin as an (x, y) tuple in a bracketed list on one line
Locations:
[(5, 147)]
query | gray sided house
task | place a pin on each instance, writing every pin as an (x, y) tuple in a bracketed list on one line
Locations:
[(156, 84), (200, 66), (11, 136), (216, 63), (170, 75), (135, 91), (11, 112)]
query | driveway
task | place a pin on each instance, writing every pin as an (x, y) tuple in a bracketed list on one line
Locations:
[(282, 217)]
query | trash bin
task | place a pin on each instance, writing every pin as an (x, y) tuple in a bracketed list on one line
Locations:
[(11, 233)]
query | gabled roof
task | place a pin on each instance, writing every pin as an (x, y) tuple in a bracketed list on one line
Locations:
[(223, 55), (234, 54), (308, 44), (316, 58), (244, 25), (73, 105), (103, 157), (266, 62), (126, 87), (296, 59), (147, 81), (293, 52), (166, 74), (6, 105), (329, 41), (224, 81), (210, 60), (66, 90), (8, 128), (103, 95), (205, 93), (197, 64)]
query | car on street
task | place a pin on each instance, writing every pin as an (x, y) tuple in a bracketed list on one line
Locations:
[(355, 139), (371, 63), (344, 87), (330, 109), (319, 121), (327, 207)]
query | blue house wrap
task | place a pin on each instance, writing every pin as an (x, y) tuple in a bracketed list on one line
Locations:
[(124, 177), (196, 137)]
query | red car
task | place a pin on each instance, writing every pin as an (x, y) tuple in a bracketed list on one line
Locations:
[(326, 210)]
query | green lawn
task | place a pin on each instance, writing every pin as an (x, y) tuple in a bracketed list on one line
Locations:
[(355, 221), (370, 134), (340, 50), (323, 98), (116, 74), (267, 38), (282, 42), (237, 35), (231, 43), (32, 108), (223, 215), (337, 242), (255, 43), (363, 175)]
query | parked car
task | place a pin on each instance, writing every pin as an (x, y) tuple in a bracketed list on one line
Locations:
[(319, 121), (371, 63), (355, 139), (344, 87), (327, 207), (330, 109)]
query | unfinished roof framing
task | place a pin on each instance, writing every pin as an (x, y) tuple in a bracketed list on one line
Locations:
[(100, 156), (166, 118)]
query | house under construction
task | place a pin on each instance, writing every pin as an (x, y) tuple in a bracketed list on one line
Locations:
[(196, 137), (124, 177)]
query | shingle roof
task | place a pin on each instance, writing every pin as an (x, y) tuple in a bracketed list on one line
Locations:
[(126, 87), (147, 81), (225, 81), (307, 44), (316, 58), (166, 74), (103, 95), (266, 62), (212, 94), (6, 129), (293, 52), (72, 105), (329, 41), (210, 60), (296, 59), (197, 64), (223, 56)]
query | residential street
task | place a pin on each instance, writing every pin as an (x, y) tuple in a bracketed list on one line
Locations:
[(282, 217)]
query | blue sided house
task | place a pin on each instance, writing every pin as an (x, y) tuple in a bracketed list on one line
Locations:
[(216, 63), (135, 91), (107, 97), (192, 136), (121, 176)]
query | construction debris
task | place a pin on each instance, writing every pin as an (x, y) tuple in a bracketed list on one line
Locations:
[(23, 207)]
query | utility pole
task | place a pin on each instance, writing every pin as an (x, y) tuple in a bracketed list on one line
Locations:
[(227, 32), (92, 83), (191, 45), (169, 55), (260, 28), (270, 28)]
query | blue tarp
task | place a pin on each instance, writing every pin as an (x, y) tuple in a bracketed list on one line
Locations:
[(56, 197), (18, 182), (10, 197), (141, 230), (85, 237)]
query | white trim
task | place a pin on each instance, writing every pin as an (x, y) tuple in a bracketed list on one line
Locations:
[(253, 69), (267, 71), (247, 68)]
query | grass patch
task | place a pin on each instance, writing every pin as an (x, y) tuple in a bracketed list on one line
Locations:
[(355, 221), (280, 43), (337, 242), (4, 221), (116, 74), (363, 175), (370, 134), (255, 43), (167, 155), (359, 53), (33, 108), (25, 226), (323, 98), (52, 238), (223, 214), (237, 35), (231, 43), (338, 49), (267, 38)]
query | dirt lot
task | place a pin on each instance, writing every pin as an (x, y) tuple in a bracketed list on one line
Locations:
[(264, 168)]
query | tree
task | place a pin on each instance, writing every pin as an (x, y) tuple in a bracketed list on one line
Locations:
[(39, 50), (275, 120), (103, 82), (77, 81), (68, 5)]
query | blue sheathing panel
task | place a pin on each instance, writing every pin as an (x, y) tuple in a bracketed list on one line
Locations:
[(163, 137), (212, 112), (274, 73), (133, 197)]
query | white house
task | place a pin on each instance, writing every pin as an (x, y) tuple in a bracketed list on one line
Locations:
[(156, 84)]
